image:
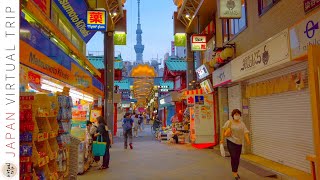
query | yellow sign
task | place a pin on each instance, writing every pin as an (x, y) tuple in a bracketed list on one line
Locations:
[(77, 77), (96, 20), (40, 62)]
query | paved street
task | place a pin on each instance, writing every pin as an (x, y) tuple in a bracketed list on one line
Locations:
[(151, 159)]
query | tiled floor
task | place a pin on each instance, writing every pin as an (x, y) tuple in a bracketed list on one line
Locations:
[(152, 160)]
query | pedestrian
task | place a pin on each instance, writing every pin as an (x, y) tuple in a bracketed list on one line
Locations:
[(135, 126), (141, 122), (148, 118), (235, 132), (103, 132), (92, 131), (127, 124)]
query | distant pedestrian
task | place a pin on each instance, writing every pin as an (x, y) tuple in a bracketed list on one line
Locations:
[(93, 130), (148, 118), (235, 132), (135, 125), (102, 131), (127, 124)]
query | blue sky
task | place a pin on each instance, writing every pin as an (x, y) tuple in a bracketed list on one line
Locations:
[(157, 27)]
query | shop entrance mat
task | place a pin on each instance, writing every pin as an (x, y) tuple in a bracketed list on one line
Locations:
[(257, 170)]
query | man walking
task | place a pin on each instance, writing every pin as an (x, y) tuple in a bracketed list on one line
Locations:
[(127, 125)]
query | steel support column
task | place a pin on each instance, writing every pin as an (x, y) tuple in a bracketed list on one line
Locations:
[(190, 64), (109, 79)]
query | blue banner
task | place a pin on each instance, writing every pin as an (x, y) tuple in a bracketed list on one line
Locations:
[(97, 83), (34, 37), (76, 12)]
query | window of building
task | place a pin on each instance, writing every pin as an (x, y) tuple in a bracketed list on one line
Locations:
[(64, 29), (265, 5), (232, 27)]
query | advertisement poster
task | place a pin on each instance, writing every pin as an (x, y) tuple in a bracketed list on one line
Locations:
[(94, 114)]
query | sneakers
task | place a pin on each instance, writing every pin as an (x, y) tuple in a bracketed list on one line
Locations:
[(131, 147)]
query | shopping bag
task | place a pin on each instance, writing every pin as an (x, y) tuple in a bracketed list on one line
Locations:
[(99, 147), (222, 151)]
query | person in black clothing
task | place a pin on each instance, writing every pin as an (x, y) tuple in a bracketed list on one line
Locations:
[(102, 131)]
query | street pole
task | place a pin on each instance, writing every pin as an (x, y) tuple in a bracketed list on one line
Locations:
[(109, 79), (190, 64)]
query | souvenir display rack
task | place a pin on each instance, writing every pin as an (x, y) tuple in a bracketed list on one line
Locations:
[(38, 132)]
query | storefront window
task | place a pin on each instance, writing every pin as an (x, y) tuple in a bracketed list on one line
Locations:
[(64, 29), (265, 5), (232, 27)]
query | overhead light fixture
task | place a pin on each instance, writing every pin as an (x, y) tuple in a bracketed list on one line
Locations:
[(114, 14), (187, 15)]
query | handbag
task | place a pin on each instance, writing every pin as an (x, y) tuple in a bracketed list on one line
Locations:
[(222, 151), (99, 147)]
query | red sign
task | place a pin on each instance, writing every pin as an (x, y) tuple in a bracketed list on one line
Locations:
[(34, 78), (190, 100), (310, 5), (44, 5)]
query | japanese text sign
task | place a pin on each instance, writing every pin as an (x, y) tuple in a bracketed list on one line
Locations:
[(96, 20), (199, 43), (180, 39)]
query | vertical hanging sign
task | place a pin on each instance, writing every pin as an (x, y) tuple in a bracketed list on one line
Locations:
[(230, 9), (120, 38), (96, 20), (180, 39)]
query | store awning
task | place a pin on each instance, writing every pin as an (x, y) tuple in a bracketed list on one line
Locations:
[(98, 62), (173, 68), (170, 84), (123, 85), (176, 65)]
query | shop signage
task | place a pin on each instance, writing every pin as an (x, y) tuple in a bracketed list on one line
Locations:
[(120, 38), (202, 71), (34, 78), (190, 100), (180, 39), (40, 62), (80, 78), (222, 75), (76, 12), (303, 34), (310, 5), (96, 20), (76, 76), (198, 43), (206, 86), (39, 41), (44, 6), (230, 9), (270, 53)]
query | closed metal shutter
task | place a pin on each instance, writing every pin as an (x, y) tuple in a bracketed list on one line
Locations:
[(281, 125), (234, 98)]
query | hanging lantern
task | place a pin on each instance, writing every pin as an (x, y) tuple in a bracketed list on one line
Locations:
[(223, 55), (211, 63), (228, 52), (178, 3)]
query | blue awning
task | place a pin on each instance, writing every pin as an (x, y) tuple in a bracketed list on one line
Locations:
[(98, 62), (170, 84), (176, 65), (123, 85)]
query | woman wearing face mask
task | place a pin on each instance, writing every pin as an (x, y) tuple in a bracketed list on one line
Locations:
[(235, 132)]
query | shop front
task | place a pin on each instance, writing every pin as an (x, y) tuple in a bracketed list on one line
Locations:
[(166, 109), (276, 101), (305, 47), (57, 99), (201, 118)]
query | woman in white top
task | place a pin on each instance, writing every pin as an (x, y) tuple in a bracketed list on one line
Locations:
[(135, 125), (235, 132)]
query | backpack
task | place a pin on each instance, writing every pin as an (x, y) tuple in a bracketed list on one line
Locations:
[(127, 124)]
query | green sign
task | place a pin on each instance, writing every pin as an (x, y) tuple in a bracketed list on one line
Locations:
[(180, 39), (120, 38)]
